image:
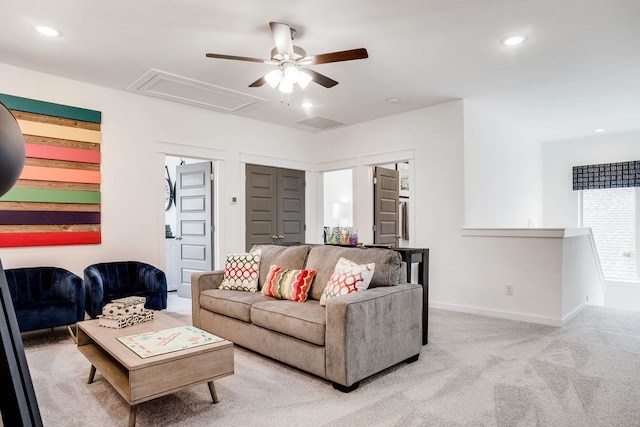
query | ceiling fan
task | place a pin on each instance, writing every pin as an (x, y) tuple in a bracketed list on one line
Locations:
[(291, 59)]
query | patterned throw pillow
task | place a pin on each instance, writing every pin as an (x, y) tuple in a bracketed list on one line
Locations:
[(241, 271), (347, 277), (285, 283)]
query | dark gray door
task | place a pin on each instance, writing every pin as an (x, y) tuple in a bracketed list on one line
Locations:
[(275, 205), (262, 205), (290, 206), (194, 197), (386, 206)]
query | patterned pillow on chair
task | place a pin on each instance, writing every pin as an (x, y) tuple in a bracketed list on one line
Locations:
[(241, 271)]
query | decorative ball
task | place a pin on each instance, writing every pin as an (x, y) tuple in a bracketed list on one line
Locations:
[(12, 150)]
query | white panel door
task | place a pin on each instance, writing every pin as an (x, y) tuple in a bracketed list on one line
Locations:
[(194, 204)]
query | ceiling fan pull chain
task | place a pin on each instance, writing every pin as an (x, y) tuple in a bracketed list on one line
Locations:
[(282, 97)]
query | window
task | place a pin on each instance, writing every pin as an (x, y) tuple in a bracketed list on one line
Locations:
[(612, 214)]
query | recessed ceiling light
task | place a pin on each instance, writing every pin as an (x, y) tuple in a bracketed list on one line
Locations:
[(599, 130), (513, 41), (307, 105), (392, 100), (47, 31)]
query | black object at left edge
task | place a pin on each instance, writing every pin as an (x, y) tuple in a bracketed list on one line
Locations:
[(17, 397)]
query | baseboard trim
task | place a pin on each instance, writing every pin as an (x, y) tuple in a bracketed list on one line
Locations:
[(569, 317), (549, 321)]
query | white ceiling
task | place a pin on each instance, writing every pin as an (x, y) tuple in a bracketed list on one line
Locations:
[(579, 69)]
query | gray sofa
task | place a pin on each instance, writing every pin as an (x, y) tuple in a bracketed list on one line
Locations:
[(353, 337)]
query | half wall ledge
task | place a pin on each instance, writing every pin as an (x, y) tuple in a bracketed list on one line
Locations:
[(526, 232), (544, 275)]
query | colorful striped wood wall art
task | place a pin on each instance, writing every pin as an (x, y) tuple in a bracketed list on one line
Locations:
[(56, 201)]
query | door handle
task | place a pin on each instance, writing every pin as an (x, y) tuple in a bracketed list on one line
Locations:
[(274, 237), (178, 237), (280, 237)]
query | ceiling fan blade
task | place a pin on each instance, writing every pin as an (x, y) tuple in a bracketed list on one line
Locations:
[(322, 80), (282, 38), (258, 82), (236, 58), (345, 55)]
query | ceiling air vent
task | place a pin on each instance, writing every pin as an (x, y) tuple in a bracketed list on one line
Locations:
[(172, 87), (320, 122)]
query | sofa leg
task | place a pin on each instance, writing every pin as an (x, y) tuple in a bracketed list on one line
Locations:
[(346, 389), (413, 358)]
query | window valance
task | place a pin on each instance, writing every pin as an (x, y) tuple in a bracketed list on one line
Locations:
[(607, 175)]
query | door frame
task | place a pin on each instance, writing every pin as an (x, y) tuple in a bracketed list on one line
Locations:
[(311, 216), (363, 188), (216, 157)]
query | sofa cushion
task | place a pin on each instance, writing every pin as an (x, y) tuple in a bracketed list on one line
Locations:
[(293, 257), (323, 259), (241, 271), (286, 283), (305, 321), (234, 304), (347, 277)]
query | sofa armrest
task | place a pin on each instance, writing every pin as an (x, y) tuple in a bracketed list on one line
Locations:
[(70, 287), (372, 330), (201, 282)]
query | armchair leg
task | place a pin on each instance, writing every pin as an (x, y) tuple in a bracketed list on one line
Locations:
[(344, 388)]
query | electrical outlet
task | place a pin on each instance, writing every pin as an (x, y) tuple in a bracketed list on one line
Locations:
[(508, 290)]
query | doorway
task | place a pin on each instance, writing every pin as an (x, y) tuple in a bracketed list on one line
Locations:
[(275, 208), (348, 199), (337, 195), (189, 221), (392, 204)]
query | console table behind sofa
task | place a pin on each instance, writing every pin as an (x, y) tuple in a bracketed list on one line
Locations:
[(421, 256)]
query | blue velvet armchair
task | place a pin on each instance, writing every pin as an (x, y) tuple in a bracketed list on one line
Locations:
[(45, 297), (107, 281)]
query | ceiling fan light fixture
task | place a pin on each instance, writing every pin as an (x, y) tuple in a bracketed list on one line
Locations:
[(285, 86), (274, 77), (291, 73), (304, 79)]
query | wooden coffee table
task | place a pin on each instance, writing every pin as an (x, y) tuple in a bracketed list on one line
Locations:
[(137, 379)]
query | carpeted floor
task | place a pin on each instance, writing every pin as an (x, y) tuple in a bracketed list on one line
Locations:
[(474, 371)]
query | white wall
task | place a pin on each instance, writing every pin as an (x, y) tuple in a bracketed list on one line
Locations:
[(466, 273), (433, 139), (582, 279), (503, 171), (532, 265), (560, 201), (552, 273), (133, 129)]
